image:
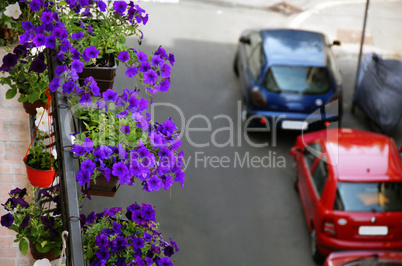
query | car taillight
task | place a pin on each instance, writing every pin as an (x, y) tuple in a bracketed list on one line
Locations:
[(258, 98), (328, 227)]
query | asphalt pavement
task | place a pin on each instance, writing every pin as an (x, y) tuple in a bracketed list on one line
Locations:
[(238, 212)]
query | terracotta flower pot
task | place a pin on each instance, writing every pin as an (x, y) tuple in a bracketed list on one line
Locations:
[(38, 256), (30, 108), (103, 187), (39, 178)]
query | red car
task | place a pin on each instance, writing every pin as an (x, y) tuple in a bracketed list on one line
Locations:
[(358, 258), (350, 186)]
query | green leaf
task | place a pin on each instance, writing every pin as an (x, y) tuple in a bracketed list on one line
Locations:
[(11, 93), (109, 51), (44, 249), (23, 246)]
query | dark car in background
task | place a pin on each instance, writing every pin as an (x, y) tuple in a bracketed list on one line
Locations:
[(290, 77)]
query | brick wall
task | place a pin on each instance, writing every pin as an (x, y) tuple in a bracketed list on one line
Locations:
[(14, 141)]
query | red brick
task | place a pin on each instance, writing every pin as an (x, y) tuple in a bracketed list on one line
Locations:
[(1, 147), (15, 160), (20, 114), (8, 262), (25, 262), (7, 241), (4, 178), (5, 168), (16, 147), (4, 135), (21, 178), (5, 114), (5, 189), (10, 252)]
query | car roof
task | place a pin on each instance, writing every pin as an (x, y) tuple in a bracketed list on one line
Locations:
[(363, 156), (294, 47)]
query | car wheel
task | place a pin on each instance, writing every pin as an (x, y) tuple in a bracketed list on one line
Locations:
[(315, 253), (235, 68)]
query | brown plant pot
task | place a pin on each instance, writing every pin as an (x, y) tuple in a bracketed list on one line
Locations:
[(38, 256), (30, 108), (104, 76), (103, 187)]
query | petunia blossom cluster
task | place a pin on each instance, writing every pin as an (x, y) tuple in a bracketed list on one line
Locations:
[(119, 140), (119, 236), (41, 226)]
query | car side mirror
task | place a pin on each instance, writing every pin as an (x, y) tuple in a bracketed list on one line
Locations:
[(294, 151), (336, 42), (245, 40)]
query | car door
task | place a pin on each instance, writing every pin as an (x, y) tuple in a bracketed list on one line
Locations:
[(250, 62), (316, 175)]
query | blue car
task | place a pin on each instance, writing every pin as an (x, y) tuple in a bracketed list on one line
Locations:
[(289, 79)]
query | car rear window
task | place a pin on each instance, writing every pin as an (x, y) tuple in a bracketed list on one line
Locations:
[(368, 197), (298, 79)]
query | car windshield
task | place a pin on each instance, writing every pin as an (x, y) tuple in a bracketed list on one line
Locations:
[(297, 79), (369, 197)]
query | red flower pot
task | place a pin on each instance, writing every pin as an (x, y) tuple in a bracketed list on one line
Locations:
[(40, 178)]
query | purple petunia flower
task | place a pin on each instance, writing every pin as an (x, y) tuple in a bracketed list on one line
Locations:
[(168, 251), (77, 65), (27, 26), (65, 45), (78, 150), (69, 86), (38, 66), (167, 181), (161, 52), (145, 66), (25, 222), (165, 71), (165, 261), (122, 114), (50, 42), (143, 104), (119, 169), (88, 166), (60, 32), (142, 57), (77, 36), (60, 70), (179, 178), (167, 128), (131, 71), (120, 7), (100, 240), (39, 40), (85, 98), (90, 30), (35, 5), (9, 61), (148, 213), (147, 237), (123, 56), (88, 144), (154, 183), (145, 19), (90, 52), (110, 95), (7, 220), (108, 151), (138, 242), (125, 129), (157, 60), (47, 17), (117, 227), (75, 53), (102, 6), (99, 154), (150, 77), (102, 255), (171, 59), (54, 84), (164, 85)]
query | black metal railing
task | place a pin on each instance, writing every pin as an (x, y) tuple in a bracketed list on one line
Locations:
[(63, 124)]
